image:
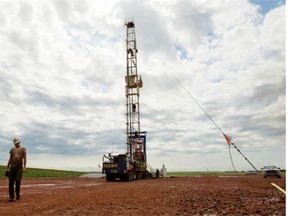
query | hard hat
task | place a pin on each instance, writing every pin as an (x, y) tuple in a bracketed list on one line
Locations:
[(16, 140)]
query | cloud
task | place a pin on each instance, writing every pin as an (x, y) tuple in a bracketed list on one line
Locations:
[(62, 69)]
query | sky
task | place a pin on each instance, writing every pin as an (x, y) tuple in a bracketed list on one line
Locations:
[(62, 81)]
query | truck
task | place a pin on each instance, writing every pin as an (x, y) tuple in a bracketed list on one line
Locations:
[(132, 164), (271, 171)]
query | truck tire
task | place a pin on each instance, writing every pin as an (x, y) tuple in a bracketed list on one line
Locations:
[(139, 175), (109, 177), (130, 176)]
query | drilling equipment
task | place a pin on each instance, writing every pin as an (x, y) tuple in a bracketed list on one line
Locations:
[(133, 164)]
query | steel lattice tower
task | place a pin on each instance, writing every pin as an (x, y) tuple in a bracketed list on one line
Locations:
[(133, 85)]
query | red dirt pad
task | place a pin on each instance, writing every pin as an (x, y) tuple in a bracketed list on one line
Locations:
[(242, 195)]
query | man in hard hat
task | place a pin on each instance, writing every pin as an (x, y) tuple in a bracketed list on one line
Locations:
[(16, 165)]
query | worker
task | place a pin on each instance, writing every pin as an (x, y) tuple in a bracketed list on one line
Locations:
[(133, 107), (157, 173), (16, 166)]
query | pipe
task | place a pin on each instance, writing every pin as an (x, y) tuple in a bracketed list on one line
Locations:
[(279, 188)]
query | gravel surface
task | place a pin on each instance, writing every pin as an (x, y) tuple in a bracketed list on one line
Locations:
[(243, 195)]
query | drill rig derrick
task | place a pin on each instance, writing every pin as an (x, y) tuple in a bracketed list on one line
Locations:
[(135, 147), (131, 165)]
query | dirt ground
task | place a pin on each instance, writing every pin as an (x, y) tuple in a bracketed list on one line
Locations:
[(242, 195)]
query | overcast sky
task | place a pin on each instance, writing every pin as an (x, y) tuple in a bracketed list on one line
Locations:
[(62, 69)]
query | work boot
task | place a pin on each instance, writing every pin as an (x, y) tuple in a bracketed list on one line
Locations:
[(11, 199)]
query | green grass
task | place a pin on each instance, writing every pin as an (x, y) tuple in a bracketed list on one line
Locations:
[(215, 173), (45, 173), (204, 173), (49, 173)]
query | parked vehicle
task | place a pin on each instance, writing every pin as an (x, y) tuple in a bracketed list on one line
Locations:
[(272, 173)]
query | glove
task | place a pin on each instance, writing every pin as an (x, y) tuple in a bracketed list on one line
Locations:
[(6, 173)]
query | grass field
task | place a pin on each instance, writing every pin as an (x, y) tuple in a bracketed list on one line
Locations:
[(204, 173), (49, 173), (44, 173)]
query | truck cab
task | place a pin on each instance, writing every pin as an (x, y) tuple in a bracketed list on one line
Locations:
[(271, 171), (115, 166)]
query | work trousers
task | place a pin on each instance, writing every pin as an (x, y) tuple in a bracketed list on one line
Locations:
[(15, 177)]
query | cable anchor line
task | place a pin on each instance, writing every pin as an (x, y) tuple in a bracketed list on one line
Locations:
[(244, 157), (229, 142), (227, 137)]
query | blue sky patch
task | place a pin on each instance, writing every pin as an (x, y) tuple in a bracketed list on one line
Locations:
[(267, 5)]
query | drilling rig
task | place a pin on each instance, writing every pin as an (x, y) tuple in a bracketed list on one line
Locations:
[(133, 164)]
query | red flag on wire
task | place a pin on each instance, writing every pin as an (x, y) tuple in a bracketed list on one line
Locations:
[(228, 138)]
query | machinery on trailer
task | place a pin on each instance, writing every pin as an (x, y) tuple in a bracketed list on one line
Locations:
[(133, 164)]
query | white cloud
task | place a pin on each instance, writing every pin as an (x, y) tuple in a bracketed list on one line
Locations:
[(62, 68)]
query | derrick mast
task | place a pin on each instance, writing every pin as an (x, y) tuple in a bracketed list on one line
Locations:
[(135, 137), (133, 164)]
